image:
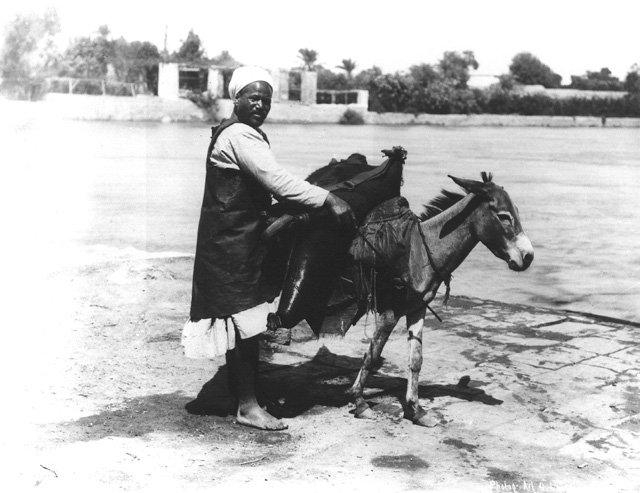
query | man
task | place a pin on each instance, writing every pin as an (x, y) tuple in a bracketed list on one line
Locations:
[(230, 292)]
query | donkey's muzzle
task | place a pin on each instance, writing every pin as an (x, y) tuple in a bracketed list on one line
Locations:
[(527, 258), (520, 254)]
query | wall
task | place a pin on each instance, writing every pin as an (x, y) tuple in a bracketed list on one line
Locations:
[(295, 111), (138, 108), (168, 81), (497, 120), (480, 120)]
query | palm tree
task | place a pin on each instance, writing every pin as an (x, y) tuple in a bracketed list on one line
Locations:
[(309, 58), (348, 66)]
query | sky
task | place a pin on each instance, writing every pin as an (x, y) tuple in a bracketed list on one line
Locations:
[(571, 37)]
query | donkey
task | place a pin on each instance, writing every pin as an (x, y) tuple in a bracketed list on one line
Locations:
[(451, 227)]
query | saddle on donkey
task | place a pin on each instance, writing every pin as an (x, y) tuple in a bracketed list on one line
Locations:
[(309, 252)]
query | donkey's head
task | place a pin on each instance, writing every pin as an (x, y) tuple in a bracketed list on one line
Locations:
[(497, 223)]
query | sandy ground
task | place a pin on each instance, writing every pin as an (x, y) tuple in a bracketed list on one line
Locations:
[(101, 400)]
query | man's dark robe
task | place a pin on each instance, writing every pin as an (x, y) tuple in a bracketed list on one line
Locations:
[(227, 274)]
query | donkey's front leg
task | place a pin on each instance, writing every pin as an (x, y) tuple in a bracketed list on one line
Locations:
[(385, 324), (412, 408)]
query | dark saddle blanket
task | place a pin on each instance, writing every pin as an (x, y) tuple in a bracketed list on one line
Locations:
[(383, 240), (391, 243)]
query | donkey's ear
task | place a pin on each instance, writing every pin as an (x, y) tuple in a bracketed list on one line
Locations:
[(471, 186)]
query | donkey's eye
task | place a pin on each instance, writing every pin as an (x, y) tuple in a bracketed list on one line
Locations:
[(505, 217)]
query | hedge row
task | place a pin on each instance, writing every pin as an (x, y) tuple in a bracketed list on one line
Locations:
[(539, 104), (503, 102)]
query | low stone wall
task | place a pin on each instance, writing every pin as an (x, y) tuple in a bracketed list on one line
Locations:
[(320, 113), (623, 122), (497, 120), (138, 108), (295, 112)]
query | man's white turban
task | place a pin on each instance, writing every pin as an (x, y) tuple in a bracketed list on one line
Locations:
[(244, 76)]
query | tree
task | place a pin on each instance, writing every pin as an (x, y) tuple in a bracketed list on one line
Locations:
[(443, 88), (528, 69), (454, 67), (29, 49), (309, 59), (348, 66), (596, 81), (632, 81), (136, 62), (506, 82), (331, 81), (191, 49), (89, 56), (391, 92), (424, 74), (364, 79), (132, 61), (226, 60), (434, 98)]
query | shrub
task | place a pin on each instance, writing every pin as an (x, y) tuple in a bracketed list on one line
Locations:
[(436, 98), (401, 94), (498, 102), (632, 105), (329, 80), (351, 117), (467, 101), (632, 82), (528, 69), (23, 90), (533, 104), (507, 82), (596, 81), (390, 92), (205, 102)]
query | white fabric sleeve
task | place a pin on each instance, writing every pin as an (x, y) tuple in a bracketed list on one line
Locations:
[(244, 146)]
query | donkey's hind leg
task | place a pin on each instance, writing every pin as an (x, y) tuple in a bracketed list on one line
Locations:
[(412, 408), (385, 324)]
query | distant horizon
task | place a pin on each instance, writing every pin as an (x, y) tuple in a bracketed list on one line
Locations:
[(570, 37)]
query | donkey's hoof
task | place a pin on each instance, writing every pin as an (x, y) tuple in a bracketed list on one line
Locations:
[(363, 411), (278, 337), (422, 418), (273, 322), (464, 381), (426, 421), (367, 413)]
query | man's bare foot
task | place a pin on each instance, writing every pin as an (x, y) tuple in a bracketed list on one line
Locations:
[(257, 417)]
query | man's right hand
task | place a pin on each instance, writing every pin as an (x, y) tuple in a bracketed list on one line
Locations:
[(341, 211)]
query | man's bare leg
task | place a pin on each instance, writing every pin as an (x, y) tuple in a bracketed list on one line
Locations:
[(243, 362)]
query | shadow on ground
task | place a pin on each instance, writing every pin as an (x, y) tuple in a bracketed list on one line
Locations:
[(288, 391)]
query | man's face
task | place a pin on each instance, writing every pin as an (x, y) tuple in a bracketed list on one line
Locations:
[(254, 103)]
